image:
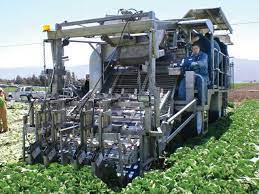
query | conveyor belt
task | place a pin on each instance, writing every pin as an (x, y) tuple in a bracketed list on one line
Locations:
[(127, 80)]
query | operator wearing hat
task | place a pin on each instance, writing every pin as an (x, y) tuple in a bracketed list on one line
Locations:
[(3, 112)]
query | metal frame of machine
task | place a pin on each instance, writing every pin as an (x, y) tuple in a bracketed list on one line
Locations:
[(131, 112)]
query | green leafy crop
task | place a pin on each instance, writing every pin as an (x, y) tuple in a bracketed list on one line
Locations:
[(225, 161), (15, 178), (221, 163)]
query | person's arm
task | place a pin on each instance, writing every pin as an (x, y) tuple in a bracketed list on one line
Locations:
[(203, 62), (186, 63)]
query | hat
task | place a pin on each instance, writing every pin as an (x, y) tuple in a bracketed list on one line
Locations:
[(1, 90)]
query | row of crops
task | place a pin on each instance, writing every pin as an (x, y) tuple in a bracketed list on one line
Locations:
[(225, 161)]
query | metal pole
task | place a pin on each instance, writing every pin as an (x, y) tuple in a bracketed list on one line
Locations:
[(223, 71), (181, 111), (212, 59), (23, 137), (108, 18), (59, 68), (61, 147), (203, 89), (32, 113), (82, 128), (152, 76), (163, 101), (218, 69), (88, 41), (100, 130)]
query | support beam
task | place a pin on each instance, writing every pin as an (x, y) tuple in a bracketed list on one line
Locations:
[(212, 72), (88, 41), (164, 99), (59, 68), (107, 18), (189, 85), (109, 29), (152, 77), (141, 26), (90, 44)]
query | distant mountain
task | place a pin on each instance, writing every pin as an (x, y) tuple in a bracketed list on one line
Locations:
[(11, 73), (244, 71)]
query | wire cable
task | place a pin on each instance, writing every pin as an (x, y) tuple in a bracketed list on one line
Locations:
[(19, 45), (245, 23)]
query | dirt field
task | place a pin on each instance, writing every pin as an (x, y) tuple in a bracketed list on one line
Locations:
[(247, 92)]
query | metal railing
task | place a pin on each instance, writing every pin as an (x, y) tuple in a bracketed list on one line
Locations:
[(222, 69), (171, 120)]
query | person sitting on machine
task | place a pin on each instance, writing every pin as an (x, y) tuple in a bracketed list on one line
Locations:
[(197, 62), (205, 46)]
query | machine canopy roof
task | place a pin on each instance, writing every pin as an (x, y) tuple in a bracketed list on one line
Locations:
[(196, 24), (216, 15)]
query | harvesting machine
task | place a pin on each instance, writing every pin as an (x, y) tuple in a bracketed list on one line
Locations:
[(132, 112)]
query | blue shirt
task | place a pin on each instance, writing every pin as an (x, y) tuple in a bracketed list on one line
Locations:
[(202, 64)]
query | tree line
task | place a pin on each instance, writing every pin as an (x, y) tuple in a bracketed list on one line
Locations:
[(32, 80), (41, 80)]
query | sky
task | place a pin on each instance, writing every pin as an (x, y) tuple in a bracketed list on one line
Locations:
[(21, 23)]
